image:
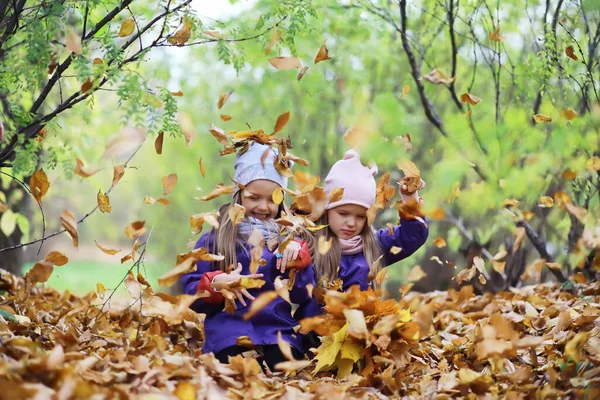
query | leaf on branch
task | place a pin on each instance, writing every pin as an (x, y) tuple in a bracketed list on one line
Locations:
[(69, 222), (80, 171), (127, 27), (285, 63), (168, 183), (39, 184), (182, 35), (322, 55), (103, 202), (87, 85)]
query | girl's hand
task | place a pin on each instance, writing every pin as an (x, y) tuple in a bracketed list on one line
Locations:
[(289, 254), (222, 280), (405, 195)]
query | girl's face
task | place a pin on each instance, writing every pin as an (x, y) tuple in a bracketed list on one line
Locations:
[(257, 199), (347, 221)]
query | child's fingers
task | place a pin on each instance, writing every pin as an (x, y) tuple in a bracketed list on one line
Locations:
[(255, 276), (278, 264), (248, 295), (239, 268), (240, 297)]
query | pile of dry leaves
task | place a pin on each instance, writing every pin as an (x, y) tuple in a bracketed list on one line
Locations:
[(536, 342)]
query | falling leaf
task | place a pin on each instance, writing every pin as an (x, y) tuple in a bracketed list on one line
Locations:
[(357, 326), (274, 37), (74, 42), (437, 213), (215, 34), (292, 366), (360, 132), (416, 274), (593, 164), (57, 258), (437, 78), (39, 184), (395, 250), (177, 94), (202, 170), (324, 245), (219, 134), (496, 36), (103, 202), (187, 128), (546, 202), (381, 276), (570, 52), (127, 27), (285, 347), (98, 61), (69, 222), (152, 200), (569, 114), (436, 259), (455, 192), (124, 143), (225, 117), (261, 301), (277, 196), (519, 234), (285, 63), (79, 170), (301, 73), (499, 266), (106, 250), (236, 213), (198, 220), (511, 203), (322, 55), (528, 215), (135, 229), (182, 35), (119, 171), (542, 118), (469, 98), (40, 272), (87, 85), (244, 341), (439, 242), (158, 143), (412, 175), (282, 120), (218, 191), (168, 183), (336, 195), (405, 91), (169, 278), (223, 99), (552, 265)]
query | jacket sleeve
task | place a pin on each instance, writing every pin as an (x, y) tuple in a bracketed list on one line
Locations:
[(409, 236), (201, 279)]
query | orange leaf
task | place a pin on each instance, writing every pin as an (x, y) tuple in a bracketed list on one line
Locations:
[(106, 250), (177, 94), (437, 213), (69, 222), (87, 85), (168, 183), (219, 134), (322, 55), (274, 38), (98, 61), (218, 191), (285, 63), (40, 272), (569, 114), (225, 117), (136, 228), (103, 202), (569, 51), (57, 258), (80, 171), (469, 98), (259, 303), (223, 99), (301, 73), (439, 243), (202, 170), (39, 184), (152, 200), (336, 195), (281, 121), (496, 36), (119, 171), (416, 274), (405, 91), (182, 35), (158, 143)]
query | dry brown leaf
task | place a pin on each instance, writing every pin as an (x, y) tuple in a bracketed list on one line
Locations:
[(223, 99), (219, 134), (158, 143), (40, 272), (322, 55), (179, 93), (57, 258), (119, 171), (39, 184), (519, 235), (469, 98), (302, 73), (440, 242), (168, 183), (539, 118), (437, 213), (570, 52), (103, 202), (282, 120), (436, 77), (416, 274), (569, 114), (261, 301), (274, 37), (495, 36), (135, 229), (225, 117), (218, 191), (197, 220), (277, 196), (106, 250), (285, 347), (285, 63), (187, 128), (336, 195), (69, 222), (169, 278), (87, 85), (202, 170), (237, 213), (182, 35)]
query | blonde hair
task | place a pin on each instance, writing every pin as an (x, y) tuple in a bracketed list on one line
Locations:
[(327, 265)]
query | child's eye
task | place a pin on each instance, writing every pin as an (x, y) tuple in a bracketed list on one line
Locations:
[(362, 217)]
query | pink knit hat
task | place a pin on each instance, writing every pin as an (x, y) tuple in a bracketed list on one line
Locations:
[(357, 181)]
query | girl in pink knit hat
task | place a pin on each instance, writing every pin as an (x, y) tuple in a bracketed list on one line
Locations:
[(356, 246)]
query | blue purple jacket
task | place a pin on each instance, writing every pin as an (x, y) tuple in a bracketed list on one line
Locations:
[(410, 235), (223, 328)]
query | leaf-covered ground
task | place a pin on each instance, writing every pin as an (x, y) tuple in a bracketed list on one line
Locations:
[(536, 342)]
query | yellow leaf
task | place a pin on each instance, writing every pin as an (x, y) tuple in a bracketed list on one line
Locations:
[(282, 120), (112, 252), (158, 143), (436, 77), (469, 98), (244, 341), (519, 234), (329, 349), (322, 55), (336, 195), (135, 229), (554, 266), (98, 61), (152, 200), (569, 114), (100, 288), (202, 170), (169, 278), (69, 222), (439, 242), (237, 213), (39, 184), (593, 164), (546, 202), (416, 274), (285, 63), (223, 99), (182, 35), (127, 27), (496, 36), (573, 349), (57, 258), (285, 347), (324, 245), (218, 191), (542, 118), (455, 192), (357, 327), (570, 52), (395, 250), (168, 183), (185, 391), (197, 220), (405, 91), (277, 196), (261, 301), (103, 202)]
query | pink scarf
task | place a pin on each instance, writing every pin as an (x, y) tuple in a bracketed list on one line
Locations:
[(352, 246)]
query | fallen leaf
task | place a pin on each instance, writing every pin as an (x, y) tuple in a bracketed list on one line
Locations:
[(135, 229), (322, 55), (39, 185), (69, 222), (570, 52), (106, 250), (127, 27), (285, 63), (223, 99), (168, 183), (158, 143), (57, 258), (282, 120), (103, 202), (185, 391)]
